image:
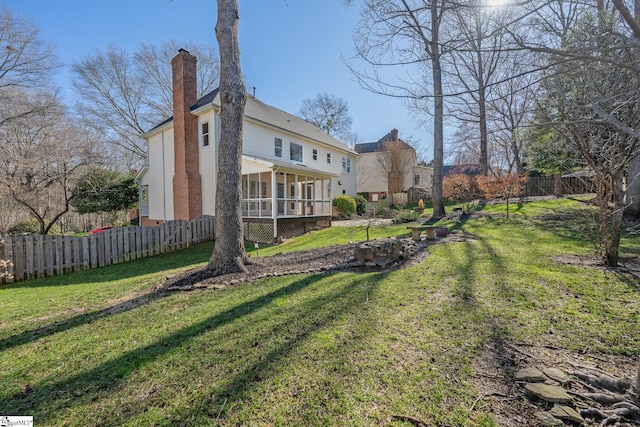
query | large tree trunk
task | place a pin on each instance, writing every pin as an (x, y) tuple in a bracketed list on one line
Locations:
[(229, 254), (438, 118), (438, 142), (516, 152)]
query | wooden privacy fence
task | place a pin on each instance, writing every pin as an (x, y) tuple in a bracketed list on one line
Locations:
[(29, 257), (544, 185)]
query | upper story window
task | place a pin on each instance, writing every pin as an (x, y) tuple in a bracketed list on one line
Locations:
[(295, 152), (416, 180), (315, 154), (328, 158), (346, 165), (278, 148), (204, 134)]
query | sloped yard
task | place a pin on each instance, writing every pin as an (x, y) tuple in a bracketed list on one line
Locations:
[(438, 341)]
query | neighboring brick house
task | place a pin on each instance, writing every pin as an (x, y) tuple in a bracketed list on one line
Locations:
[(291, 170), (388, 166)]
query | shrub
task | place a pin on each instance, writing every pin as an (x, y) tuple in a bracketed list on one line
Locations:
[(25, 227), (463, 188), (406, 216), (345, 205), (361, 205), (506, 187), (30, 226)]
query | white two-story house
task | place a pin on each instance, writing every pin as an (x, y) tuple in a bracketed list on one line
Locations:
[(291, 170)]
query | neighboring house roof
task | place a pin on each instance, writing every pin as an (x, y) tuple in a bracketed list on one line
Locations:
[(258, 110), (379, 145), (469, 169)]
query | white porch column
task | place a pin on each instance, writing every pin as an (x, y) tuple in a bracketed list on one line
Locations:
[(274, 203), (260, 194), (286, 199)]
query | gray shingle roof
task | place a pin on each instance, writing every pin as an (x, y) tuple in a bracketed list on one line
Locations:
[(372, 147)]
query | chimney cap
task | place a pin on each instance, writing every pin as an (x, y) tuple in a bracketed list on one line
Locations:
[(183, 50)]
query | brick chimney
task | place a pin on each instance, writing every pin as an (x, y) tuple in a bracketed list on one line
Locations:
[(394, 135), (187, 187)]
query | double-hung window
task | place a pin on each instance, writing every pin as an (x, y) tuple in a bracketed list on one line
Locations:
[(328, 158), (346, 165), (315, 154), (204, 134), (278, 148), (295, 152)]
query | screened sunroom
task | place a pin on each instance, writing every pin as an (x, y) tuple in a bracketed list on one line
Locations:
[(284, 195)]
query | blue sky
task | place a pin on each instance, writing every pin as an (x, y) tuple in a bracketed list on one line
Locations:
[(290, 49)]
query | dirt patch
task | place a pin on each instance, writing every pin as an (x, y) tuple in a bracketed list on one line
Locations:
[(628, 266), (331, 258)]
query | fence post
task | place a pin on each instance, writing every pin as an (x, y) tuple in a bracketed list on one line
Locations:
[(6, 255)]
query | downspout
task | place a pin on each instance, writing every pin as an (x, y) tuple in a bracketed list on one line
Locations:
[(164, 184), (140, 201)]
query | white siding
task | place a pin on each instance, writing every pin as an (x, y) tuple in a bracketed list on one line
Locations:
[(259, 141), (207, 161), (369, 178), (346, 183), (159, 176)]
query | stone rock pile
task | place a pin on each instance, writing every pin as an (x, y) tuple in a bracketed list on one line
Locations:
[(383, 252)]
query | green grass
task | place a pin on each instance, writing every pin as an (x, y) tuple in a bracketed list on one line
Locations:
[(335, 236), (346, 349)]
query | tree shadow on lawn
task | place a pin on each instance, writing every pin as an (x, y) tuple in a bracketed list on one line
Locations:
[(473, 251), (45, 400), (80, 320), (124, 270), (465, 275)]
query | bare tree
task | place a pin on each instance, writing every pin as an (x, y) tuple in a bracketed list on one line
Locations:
[(407, 35), (41, 157), (154, 62), (393, 163), (632, 20), (10, 211), (228, 253), (593, 103), (463, 147), (329, 113), (475, 63), (112, 93), (510, 110), (26, 61), (125, 94)]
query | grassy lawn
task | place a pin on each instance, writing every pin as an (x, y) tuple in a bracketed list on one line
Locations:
[(335, 349)]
